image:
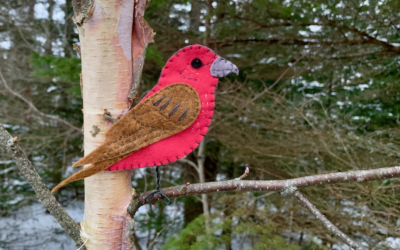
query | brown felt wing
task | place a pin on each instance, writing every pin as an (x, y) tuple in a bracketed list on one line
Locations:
[(165, 113)]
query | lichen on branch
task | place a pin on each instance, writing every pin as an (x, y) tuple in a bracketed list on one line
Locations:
[(42, 192)]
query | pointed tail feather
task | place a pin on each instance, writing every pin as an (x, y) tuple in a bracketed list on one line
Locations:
[(81, 174), (88, 171)]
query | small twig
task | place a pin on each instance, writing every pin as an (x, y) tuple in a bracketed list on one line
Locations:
[(157, 235), (168, 225), (33, 106), (202, 178), (42, 192), (77, 49), (191, 163), (28, 44), (282, 75), (290, 227), (329, 225), (244, 175)]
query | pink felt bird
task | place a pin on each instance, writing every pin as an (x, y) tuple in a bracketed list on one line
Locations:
[(169, 122)]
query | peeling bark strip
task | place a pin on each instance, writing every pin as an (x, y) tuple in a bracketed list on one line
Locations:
[(42, 192), (142, 35), (275, 185)]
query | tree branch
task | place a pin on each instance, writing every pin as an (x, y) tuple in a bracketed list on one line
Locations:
[(30, 104), (290, 186), (366, 38), (42, 192), (276, 185), (202, 178), (192, 164), (329, 225), (273, 25), (244, 175), (289, 41)]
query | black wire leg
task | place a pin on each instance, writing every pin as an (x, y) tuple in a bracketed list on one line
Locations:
[(163, 196)]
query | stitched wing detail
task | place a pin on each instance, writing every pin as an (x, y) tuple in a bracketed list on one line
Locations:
[(167, 112)]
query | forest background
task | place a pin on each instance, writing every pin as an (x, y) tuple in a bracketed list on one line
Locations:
[(334, 108)]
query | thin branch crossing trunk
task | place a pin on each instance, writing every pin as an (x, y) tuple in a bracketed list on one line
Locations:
[(202, 177)]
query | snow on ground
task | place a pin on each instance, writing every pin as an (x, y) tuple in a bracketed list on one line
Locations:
[(30, 227)]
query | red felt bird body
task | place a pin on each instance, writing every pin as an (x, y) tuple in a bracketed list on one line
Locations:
[(169, 122)]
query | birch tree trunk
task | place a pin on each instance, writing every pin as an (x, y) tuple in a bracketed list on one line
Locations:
[(105, 33)]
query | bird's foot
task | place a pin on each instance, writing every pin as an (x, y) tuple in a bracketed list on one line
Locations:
[(158, 191), (165, 198)]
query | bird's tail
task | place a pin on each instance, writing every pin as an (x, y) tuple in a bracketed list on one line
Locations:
[(90, 158), (83, 173)]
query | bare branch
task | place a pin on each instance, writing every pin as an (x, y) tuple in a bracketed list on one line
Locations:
[(202, 178), (281, 76), (157, 235), (366, 38), (42, 192), (329, 225), (33, 106), (77, 49), (191, 163), (244, 175), (290, 41), (276, 185), (273, 25), (387, 48)]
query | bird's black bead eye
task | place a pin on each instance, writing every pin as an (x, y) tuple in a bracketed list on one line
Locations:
[(197, 63)]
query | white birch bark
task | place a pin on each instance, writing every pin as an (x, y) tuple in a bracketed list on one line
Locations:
[(106, 51)]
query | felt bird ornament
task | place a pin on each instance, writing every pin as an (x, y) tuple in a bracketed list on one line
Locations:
[(168, 123)]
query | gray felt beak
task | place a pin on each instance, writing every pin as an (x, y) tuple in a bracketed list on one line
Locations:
[(222, 67)]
